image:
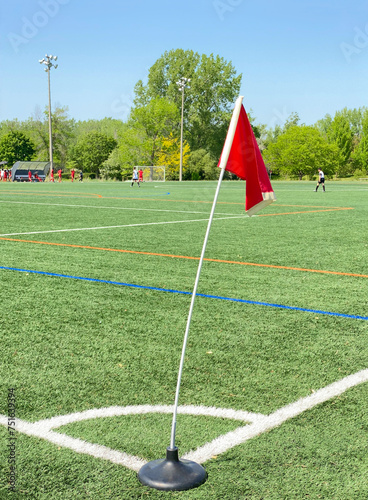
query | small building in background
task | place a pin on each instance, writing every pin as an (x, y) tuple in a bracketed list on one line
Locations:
[(19, 171)]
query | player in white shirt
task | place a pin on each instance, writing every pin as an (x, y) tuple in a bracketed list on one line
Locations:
[(135, 177), (321, 180)]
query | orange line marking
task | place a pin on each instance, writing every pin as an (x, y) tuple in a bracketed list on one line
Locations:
[(332, 209), (186, 257), (307, 211), (303, 206), (89, 195)]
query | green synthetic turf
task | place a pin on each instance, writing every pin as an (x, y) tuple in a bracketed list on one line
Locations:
[(143, 435), (69, 345)]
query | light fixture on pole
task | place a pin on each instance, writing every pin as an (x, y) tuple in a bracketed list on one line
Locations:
[(182, 83), (48, 62)]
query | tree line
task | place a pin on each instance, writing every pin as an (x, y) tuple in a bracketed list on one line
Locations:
[(338, 145), (109, 148)]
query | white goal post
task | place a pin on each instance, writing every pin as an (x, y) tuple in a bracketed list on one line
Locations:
[(152, 174)]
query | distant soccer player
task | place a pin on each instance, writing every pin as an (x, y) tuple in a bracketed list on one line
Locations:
[(52, 175), (140, 175), (72, 173), (59, 174), (29, 176), (135, 177), (321, 180)]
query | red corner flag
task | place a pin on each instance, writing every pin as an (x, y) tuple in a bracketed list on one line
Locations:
[(245, 160)]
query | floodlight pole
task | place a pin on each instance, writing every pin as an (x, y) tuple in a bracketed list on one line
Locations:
[(47, 61), (181, 136), (182, 84), (50, 125)]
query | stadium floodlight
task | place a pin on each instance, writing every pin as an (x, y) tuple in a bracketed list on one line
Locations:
[(47, 61), (182, 83)]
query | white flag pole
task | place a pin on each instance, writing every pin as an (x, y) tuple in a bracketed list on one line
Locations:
[(223, 162)]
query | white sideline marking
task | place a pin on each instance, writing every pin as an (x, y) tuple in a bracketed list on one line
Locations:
[(80, 446), (242, 434), (259, 424), (111, 208), (124, 225)]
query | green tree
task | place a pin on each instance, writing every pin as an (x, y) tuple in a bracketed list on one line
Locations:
[(268, 136), (355, 117), (291, 121), (62, 134), (208, 102), (300, 151), (15, 146), (324, 124), (360, 154), (133, 149), (141, 141), (92, 150), (108, 126), (201, 165), (341, 134), (157, 119), (112, 167), (7, 126)]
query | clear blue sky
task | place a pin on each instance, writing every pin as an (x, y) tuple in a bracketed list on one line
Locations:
[(308, 56)]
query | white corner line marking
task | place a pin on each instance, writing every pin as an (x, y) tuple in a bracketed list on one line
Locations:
[(258, 424), (68, 205), (124, 225)]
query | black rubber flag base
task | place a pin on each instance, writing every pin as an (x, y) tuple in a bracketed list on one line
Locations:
[(172, 474)]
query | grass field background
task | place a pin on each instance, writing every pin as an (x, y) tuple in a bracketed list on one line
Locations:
[(70, 344)]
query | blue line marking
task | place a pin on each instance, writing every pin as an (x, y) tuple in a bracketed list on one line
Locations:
[(181, 292)]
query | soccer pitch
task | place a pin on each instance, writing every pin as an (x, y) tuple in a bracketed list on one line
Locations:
[(96, 281)]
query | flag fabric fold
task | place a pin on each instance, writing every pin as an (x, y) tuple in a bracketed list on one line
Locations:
[(245, 161)]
